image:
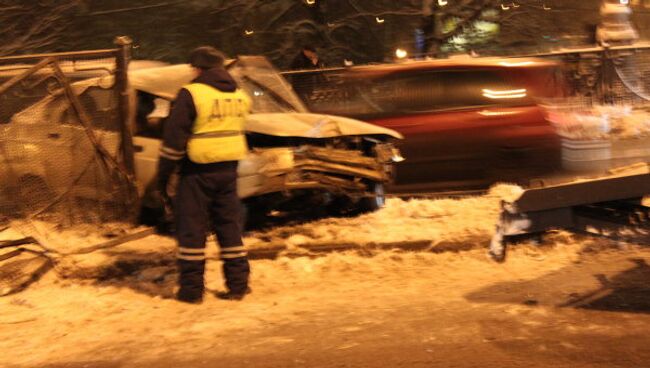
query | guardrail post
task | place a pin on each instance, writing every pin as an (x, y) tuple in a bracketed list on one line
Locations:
[(123, 57)]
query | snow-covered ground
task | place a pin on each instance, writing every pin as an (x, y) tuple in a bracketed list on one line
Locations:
[(448, 221), (115, 306)]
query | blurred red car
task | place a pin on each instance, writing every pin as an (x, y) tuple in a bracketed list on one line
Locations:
[(467, 122)]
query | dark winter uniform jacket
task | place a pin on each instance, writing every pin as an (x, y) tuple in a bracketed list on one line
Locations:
[(178, 126)]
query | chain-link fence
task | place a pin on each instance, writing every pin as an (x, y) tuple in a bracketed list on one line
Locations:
[(320, 89), (66, 165), (613, 76), (64, 158)]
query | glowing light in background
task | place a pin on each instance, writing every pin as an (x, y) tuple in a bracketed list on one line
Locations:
[(512, 93), (310, 2), (401, 53), (504, 7), (504, 92), (442, 2), (520, 63), (546, 7), (497, 113), (248, 32), (625, 2), (380, 20)]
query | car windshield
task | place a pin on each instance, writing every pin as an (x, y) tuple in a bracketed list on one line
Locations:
[(431, 91), (265, 99), (266, 87)]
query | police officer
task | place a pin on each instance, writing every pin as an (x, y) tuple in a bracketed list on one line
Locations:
[(204, 136)]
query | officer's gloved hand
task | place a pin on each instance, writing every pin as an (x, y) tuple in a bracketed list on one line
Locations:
[(165, 170), (166, 223), (161, 216)]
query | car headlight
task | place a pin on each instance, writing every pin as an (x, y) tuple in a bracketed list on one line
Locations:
[(386, 152)]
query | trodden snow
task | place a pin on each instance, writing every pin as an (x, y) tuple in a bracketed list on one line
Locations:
[(114, 307)]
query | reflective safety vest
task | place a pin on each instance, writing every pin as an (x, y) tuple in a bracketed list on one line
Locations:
[(218, 131)]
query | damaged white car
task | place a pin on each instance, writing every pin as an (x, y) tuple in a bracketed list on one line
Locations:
[(297, 160)]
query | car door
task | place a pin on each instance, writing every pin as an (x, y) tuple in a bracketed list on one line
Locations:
[(146, 153)]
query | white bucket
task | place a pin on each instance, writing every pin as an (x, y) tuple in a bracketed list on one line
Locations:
[(586, 155)]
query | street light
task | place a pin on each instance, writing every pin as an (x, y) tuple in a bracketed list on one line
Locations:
[(401, 53)]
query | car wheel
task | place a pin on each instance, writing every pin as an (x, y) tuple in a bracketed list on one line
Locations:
[(374, 202), (341, 206)]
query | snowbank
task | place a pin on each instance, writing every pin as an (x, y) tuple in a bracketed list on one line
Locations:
[(438, 221), (129, 316), (447, 224)]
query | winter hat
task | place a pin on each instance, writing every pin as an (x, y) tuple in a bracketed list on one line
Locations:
[(206, 57)]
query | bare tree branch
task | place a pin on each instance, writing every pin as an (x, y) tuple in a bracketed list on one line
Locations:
[(28, 29)]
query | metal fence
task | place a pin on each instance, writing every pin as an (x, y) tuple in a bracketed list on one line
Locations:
[(614, 75), (64, 141), (595, 75)]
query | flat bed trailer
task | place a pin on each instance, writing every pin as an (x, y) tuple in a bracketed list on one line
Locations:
[(602, 206)]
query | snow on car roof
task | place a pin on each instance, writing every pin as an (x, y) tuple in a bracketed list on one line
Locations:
[(164, 81), (250, 72)]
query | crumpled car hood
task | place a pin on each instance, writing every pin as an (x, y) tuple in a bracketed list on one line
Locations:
[(312, 126)]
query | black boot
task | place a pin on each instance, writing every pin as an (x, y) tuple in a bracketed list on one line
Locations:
[(190, 296), (190, 279), (229, 295), (236, 272)]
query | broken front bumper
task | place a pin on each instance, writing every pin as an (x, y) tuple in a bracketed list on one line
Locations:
[(309, 167)]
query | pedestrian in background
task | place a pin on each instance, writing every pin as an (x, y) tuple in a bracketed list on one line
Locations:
[(204, 138), (305, 83), (306, 59)]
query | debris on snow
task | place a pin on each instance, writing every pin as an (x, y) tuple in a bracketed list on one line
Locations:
[(127, 301), (445, 224)]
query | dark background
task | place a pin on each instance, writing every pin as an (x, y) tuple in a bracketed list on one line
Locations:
[(340, 29)]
